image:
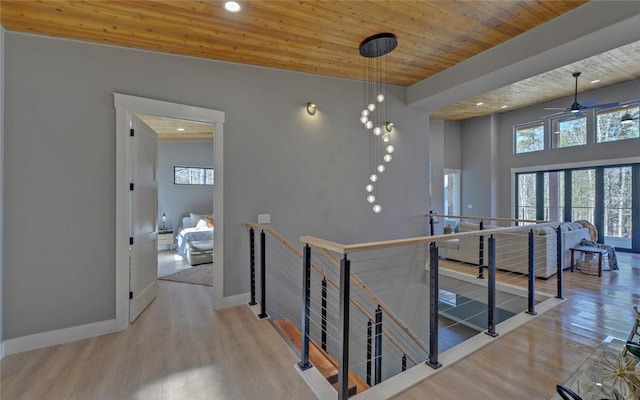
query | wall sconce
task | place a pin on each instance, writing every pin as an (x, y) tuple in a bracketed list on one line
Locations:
[(164, 221), (388, 126), (311, 108)]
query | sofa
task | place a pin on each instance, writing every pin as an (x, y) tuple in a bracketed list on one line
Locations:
[(512, 247)]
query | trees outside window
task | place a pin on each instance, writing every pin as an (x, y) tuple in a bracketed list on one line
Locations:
[(617, 206), (526, 196), (192, 176), (529, 137), (610, 128), (568, 132), (583, 194)]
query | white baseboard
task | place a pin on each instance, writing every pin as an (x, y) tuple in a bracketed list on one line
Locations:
[(52, 338)]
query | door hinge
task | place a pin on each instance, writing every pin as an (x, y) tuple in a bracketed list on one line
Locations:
[(131, 186), (132, 132), (131, 240), (130, 295)]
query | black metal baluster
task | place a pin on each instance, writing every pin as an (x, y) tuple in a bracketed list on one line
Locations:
[(433, 307), (378, 342), (263, 276), (532, 275), (306, 308), (252, 265), (491, 287)]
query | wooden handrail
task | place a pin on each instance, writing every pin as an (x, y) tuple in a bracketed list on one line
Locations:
[(532, 221), (362, 247), (353, 301)]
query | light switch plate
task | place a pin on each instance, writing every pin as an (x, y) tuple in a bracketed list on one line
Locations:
[(264, 218)]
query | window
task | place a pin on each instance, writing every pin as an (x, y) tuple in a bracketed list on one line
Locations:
[(526, 200), (610, 128), (452, 192), (568, 132), (192, 176), (618, 206), (554, 196), (529, 137)]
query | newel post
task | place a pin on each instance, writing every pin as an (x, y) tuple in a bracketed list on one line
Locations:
[(343, 326), (559, 261), (491, 286), (306, 307), (433, 307), (532, 275), (252, 265)]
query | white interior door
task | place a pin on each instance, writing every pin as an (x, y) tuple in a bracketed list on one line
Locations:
[(143, 207)]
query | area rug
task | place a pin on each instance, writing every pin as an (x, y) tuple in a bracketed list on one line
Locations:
[(200, 275)]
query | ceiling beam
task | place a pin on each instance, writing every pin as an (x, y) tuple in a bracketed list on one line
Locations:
[(590, 29)]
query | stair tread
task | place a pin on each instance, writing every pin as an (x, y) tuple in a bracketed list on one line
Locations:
[(323, 361)]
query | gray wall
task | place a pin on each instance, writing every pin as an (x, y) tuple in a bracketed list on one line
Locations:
[(436, 157), (476, 155), (486, 148), (452, 145), (308, 172), (176, 201), (1, 179)]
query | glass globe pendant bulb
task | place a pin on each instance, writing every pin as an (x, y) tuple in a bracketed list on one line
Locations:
[(387, 157), (390, 148), (377, 208), (380, 98), (380, 168), (386, 137), (363, 119), (369, 188), (365, 113), (369, 124), (371, 107), (371, 198), (373, 177), (377, 131)]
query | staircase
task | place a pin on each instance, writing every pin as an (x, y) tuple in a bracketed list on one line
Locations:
[(326, 364)]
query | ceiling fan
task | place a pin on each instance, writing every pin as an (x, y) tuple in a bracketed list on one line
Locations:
[(576, 108), (628, 118)]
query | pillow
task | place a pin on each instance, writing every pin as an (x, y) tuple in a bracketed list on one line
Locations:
[(202, 224), (194, 218), (186, 222)]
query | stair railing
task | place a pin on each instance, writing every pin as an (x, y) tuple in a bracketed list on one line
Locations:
[(327, 278), (346, 254)]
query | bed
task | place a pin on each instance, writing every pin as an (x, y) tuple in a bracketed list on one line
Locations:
[(195, 239)]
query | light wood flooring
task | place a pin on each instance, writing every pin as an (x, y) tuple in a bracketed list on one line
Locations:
[(528, 362), (181, 349)]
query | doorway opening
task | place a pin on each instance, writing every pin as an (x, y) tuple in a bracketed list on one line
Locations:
[(126, 107), (185, 216)]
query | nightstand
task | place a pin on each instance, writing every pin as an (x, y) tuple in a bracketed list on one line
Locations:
[(165, 238)]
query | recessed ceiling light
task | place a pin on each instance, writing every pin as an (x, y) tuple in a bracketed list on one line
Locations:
[(479, 104), (595, 81), (504, 106), (232, 6), (180, 129)]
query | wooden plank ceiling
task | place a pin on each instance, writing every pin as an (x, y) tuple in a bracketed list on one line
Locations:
[(319, 37), (171, 130)]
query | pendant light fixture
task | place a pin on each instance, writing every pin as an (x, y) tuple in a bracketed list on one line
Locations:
[(375, 115)]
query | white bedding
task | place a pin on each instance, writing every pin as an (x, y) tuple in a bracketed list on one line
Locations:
[(192, 235)]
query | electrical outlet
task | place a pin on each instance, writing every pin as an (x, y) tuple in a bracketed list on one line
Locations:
[(264, 218)]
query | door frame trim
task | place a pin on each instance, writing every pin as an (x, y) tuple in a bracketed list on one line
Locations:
[(126, 106)]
